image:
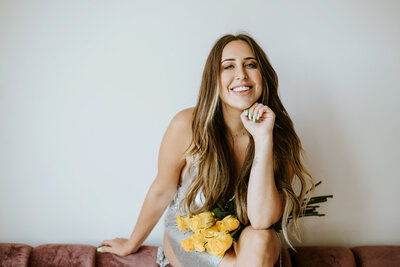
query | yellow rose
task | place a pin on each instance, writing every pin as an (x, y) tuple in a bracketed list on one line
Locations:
[(219, 244), (202, 221), (182, 222), (229, 223), (211, 231), (187, 244), (208, 235), (198, 240)]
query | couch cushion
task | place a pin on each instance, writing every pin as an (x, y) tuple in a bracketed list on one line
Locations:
[(12, 254), (322, 256), (145, 257), (376, 256), (61, 255), (286, 261)]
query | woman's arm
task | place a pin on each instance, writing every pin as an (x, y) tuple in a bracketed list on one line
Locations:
[(264, 203), (171, 160)]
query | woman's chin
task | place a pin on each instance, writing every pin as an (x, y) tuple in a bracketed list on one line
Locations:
[(238, 106), (244, 106)]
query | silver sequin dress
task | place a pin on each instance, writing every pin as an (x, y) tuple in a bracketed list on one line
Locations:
[(186, 259)]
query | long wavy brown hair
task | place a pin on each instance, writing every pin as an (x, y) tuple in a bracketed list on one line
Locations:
[(213, 155)]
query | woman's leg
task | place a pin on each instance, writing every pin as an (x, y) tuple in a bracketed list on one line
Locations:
[(169, 253), (229, 258), (254, 248)]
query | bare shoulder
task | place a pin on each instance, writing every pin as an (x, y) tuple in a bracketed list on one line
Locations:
[(171, 159), (182, 124), (177, 137), (184, 117)]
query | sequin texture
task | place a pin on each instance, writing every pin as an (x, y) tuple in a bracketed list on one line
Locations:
[(186, 259)]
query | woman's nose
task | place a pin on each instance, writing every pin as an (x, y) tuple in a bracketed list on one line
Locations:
[(241, 73)]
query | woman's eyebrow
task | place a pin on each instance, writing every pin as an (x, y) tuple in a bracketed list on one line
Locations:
[(232, 59)]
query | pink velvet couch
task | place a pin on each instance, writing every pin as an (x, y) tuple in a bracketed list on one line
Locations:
[(71, 255)]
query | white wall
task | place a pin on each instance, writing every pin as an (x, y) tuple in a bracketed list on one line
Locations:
[(87, 89)]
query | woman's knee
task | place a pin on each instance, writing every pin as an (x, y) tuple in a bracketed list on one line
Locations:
[(262, 245), (263, 239)]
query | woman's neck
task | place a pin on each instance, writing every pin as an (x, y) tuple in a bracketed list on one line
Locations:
[(233, 122)]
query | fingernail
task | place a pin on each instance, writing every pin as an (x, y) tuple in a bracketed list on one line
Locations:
[(246, 111), (258, 116), (254, 118), (98, 249), (249, 115)]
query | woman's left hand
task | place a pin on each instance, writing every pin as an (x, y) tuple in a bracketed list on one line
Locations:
[(261, 127)]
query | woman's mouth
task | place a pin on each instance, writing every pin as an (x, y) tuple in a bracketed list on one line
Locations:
[(242, 90)]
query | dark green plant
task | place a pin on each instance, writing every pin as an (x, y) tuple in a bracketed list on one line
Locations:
[(229, 208)]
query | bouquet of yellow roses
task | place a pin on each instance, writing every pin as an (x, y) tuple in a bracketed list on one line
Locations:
[(209, 233), (214, 231)]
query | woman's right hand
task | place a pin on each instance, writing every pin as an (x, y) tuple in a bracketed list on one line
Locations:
[(119, 246)]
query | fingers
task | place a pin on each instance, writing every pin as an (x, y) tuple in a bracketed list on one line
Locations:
[(105, 249), (106, 246), (114, 250), (256, 111), (105, 243), (116, 246)]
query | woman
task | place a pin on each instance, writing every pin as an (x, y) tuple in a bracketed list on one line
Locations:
[(238, 141)]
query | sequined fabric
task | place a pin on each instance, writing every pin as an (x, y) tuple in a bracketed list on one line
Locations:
[(161, 259), (186, 259), (193, 258)]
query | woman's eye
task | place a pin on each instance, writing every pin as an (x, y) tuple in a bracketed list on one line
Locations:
[(228, 67), (251, 65)]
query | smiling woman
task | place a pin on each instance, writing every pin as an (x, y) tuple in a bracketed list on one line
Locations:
[(240, 78), (238, 143)]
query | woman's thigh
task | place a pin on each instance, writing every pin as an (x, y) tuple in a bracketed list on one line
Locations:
[(169, 253), (229, 258)]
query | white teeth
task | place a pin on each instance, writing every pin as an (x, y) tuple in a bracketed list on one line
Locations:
[(242, 88)]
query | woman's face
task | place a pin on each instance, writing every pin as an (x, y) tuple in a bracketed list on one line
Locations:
[(240, 78)]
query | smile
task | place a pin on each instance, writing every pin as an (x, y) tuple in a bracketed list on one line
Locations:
[(241, 88)]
